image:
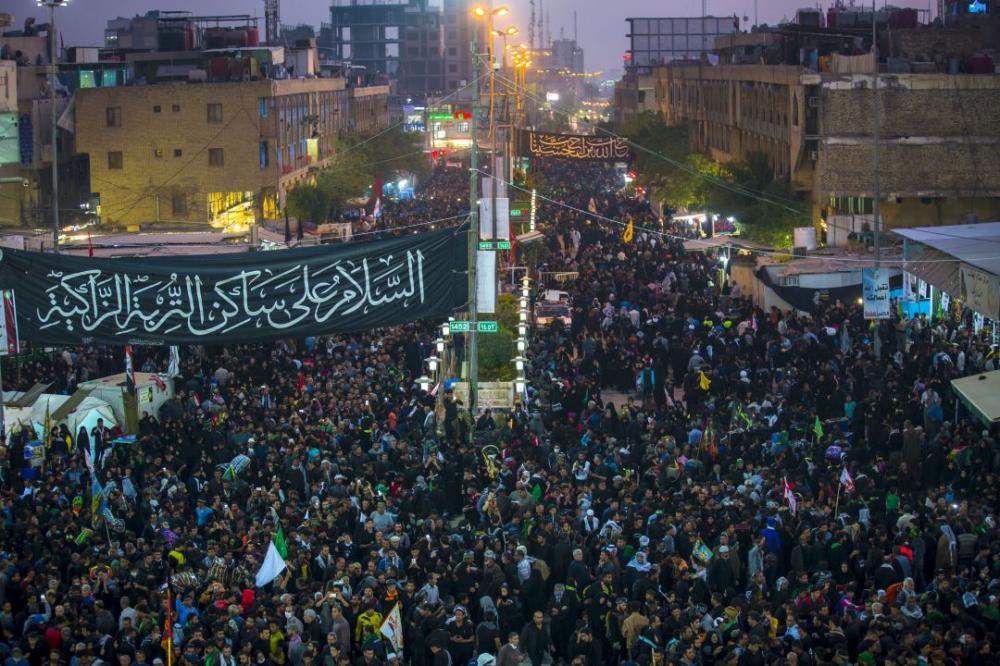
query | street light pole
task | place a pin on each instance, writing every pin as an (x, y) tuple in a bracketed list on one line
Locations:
[(54, 118), (876, 187), (473, 248)]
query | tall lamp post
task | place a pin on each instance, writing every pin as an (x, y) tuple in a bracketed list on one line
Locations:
[(54, 118)]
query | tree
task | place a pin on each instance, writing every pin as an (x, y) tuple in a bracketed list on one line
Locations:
[(308, 202)]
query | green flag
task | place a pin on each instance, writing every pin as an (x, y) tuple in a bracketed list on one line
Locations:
[(279, 542), (818, 428)]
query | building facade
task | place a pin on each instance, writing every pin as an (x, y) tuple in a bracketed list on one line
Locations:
[(816, 129), (223, 154), (658, 41), (396, 39)]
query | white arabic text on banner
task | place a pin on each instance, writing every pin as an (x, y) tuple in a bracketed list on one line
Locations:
[(271, 295), (875, 293)]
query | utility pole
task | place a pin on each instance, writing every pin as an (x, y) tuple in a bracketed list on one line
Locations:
[(54, 118), (876, 189), (473, 248)]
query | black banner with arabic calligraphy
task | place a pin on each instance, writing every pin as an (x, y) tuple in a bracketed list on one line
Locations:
[(574, 147), (237, 297)]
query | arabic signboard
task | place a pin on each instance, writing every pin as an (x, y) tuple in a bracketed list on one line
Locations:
[(492, 395), (980, 290), (237, 297), (574, 146), (875, 293)]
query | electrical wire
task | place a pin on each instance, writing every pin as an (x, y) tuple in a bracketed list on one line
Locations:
[(721, 183), (771, 253)]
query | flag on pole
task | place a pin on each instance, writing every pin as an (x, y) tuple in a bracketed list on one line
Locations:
[(847, 480), (629, 232), (704, 383), (392, 628), (279, 542), (174, 365), (789, 495), (90, 245), (8, 325), (272, 567), (47, 426), (818, 428), (129, 370), (96, 499)]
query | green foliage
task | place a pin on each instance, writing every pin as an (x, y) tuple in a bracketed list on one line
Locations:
[(495, 353), (507, 314), (496, 350), (308, 202), (768, 209), (357, 162)]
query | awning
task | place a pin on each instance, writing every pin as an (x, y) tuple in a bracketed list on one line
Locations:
[(981, 394), (937, 268)]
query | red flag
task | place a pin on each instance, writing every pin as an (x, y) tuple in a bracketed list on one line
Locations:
[(789, 495), (168, 624), (90, 245), (513, 246)]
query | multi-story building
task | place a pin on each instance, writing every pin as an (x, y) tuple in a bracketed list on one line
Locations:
[(224, 154), (566, 55), (804, 98), (397, 39), (459, 27), (658, 41)]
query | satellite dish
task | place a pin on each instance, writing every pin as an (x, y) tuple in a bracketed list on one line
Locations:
[(6, 19)]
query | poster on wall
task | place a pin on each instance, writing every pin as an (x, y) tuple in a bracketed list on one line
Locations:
[(237, 297), (980, 290), (875, 293), (575, 146)]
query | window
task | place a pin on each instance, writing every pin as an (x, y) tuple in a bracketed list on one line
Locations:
[(176, 108), (115, 159), (158, 153), (452, 51), (216, 157), (113, 114), (452, 68), (264, 155), (262, 107), (179, 204), (178, 152), (215, 113), (392, 32), (156, 108)]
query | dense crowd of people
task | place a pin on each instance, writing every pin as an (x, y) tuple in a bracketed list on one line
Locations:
[(770, 492)]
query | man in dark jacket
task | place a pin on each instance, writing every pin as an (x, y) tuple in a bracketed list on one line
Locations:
[(535, 641)]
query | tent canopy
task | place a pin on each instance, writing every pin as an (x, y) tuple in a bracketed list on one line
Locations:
[(981, 394), (85, 414)]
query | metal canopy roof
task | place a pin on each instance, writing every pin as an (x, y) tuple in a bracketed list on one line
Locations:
[(975, 244)]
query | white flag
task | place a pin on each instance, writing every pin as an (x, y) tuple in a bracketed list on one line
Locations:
[(847, 480), (392, 628), (174, 366), (272, 567)]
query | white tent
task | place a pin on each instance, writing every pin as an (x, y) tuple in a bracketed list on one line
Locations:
[(84, 414), (981, 394)]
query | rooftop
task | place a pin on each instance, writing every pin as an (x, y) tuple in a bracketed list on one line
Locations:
[(974, 244)]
